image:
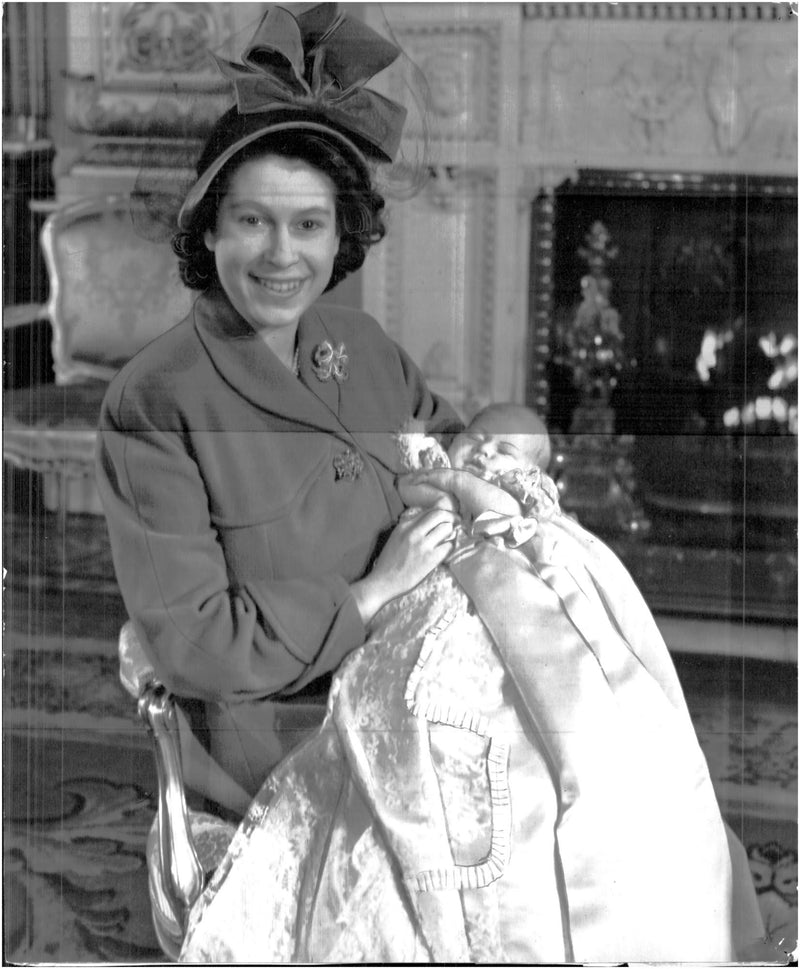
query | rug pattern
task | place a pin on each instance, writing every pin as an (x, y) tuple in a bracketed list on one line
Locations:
[(75, 878)]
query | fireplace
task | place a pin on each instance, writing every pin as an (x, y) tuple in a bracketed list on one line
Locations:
[(692, 477)]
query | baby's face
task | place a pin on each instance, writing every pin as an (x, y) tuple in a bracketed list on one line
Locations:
[(487, 452)]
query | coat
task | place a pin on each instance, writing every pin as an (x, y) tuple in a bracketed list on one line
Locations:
[(242, 502)]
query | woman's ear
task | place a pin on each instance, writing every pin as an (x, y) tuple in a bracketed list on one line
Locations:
[(210, 240)]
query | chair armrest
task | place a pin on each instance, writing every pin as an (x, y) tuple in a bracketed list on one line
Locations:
[(182, 874), (200, 772), (22, 314)]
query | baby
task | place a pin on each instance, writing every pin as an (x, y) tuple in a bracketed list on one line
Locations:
[(505, 765), (496, 468)]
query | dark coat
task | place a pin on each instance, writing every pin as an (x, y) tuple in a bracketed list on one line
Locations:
[(235, 537)]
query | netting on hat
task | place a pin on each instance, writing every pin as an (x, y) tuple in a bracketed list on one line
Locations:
[(183, 117)]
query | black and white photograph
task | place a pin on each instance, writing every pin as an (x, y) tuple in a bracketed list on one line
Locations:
[(400, 483)]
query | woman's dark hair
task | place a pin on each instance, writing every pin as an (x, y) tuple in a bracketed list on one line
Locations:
[(359, 208)]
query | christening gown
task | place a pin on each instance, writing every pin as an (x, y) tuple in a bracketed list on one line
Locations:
[(507, 772)]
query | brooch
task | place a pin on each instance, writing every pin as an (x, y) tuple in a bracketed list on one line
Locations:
[(348, 465), (328, 361)]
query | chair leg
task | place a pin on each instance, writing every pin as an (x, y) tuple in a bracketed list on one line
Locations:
[(181, 874)]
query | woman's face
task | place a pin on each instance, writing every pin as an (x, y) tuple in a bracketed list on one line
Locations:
[(275, 240)]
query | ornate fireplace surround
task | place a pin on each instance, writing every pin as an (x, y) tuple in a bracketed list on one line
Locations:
[(523, 99), (692, 100)]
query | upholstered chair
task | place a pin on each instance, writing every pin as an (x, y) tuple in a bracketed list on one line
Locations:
[(112, 290)]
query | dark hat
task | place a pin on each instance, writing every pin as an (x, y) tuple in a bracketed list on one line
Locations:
[(305, 73)]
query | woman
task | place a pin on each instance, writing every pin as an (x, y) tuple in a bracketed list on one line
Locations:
[(248, 467), (245, 461)]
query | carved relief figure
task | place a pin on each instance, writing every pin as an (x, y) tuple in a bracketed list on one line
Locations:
[(745, 93), (654, 90), (449, 74), (167, 37)]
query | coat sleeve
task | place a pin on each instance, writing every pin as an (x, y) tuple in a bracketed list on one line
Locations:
[(205, 638)]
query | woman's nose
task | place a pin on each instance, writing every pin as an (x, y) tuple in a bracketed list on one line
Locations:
[(282, 252)]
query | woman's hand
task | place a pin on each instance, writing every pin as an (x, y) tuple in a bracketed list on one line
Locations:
[(419, 542)]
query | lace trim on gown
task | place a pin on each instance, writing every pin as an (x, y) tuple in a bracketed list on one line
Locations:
[(464, 718)]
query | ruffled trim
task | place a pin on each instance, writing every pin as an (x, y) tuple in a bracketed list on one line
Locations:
[(534, 490), (417, 450), (464, 718)]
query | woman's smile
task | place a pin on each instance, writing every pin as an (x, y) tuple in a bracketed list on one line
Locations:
[(275, 241), (279, 287)]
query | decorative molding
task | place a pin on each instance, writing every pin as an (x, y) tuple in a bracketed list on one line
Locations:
[(637, 181), (450, 186), (543, 179), (148, 44), (753, 12), (484, 367), (177, 158), (92, 109), (541, 299), (143, 69), (453, 340), (461, 65), (672, 89), (745, 94)]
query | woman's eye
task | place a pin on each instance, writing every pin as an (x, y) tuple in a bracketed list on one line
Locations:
[(249, 220), (309, 224)]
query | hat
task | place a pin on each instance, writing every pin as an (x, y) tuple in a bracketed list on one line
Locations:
[(305, 73)]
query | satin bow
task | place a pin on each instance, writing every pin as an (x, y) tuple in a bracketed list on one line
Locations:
[(319, 62), (514, 529)]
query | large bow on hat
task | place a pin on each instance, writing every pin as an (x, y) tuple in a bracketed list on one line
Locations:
[(319, 62)]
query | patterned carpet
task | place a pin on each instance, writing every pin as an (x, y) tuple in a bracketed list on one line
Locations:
[(78, 811), (78, 779), (75, 882)]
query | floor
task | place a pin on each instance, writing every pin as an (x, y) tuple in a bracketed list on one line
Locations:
[(78, 777)]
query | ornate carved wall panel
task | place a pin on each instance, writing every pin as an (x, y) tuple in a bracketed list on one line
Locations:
[(676, 85), (138, 69), (461, 64), (140, 41)]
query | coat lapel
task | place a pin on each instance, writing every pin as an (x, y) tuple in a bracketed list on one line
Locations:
[(358, 401), (253, 371)]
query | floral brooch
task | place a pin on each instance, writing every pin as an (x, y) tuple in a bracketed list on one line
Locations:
[(329, 361), (348, 465)]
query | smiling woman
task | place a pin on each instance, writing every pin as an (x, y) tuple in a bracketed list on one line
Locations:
[(245, 459), (274, 245)]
